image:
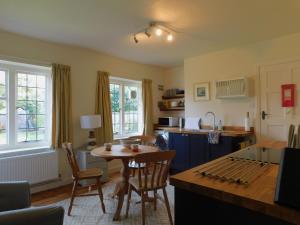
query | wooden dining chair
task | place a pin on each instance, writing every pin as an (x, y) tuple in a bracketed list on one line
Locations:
[(144, 140), (157, 165), (77, 174)]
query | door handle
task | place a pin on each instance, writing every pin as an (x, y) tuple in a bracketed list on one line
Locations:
[(264, 114)]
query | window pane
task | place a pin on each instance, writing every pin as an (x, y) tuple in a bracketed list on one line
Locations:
[(2, 91), (21, 135), (22, 79), (41, 82), (31, 108), (21, 107), (31, 121), (21, 93), (2, 77), (3, 129), (31, 80), (31, 93), (116, 108), (40, 121), (27, 135), (131, 109), (3, 137), (41, 134), (41, 96), (41, 108), (3, 109), (31, 135), (26, 107), (21, 122)]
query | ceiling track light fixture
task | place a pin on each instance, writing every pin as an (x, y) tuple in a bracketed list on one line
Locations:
[(158, 29)]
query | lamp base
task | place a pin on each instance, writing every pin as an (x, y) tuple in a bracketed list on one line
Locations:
[(91, 140)]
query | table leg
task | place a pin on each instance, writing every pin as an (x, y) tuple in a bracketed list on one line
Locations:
[(122, 189)]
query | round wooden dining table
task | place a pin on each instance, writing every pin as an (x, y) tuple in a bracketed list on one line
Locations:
[(125, 154)]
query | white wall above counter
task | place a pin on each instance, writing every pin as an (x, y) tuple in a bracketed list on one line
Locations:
[(230, 63)]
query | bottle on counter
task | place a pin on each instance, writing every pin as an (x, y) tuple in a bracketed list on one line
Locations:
[(220, 126), (247, 122), (180, 122)]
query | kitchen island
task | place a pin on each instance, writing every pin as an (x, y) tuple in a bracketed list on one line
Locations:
[(203, 199)]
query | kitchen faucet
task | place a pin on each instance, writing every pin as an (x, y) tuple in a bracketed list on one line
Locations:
[(214, 124)]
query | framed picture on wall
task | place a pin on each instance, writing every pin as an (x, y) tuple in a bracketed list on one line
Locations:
[(201, 91)]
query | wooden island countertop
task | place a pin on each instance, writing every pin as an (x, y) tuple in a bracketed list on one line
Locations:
[(257, 196)]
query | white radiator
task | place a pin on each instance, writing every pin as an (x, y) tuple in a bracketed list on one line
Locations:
[(34, 168)]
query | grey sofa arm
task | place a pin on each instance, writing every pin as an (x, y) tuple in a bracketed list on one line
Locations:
[(45, 215), (14, 195)]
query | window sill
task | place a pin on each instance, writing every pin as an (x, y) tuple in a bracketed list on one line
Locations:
[(124, 137), (24, 151)]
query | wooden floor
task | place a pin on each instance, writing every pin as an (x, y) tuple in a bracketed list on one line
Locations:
[(60, 193)]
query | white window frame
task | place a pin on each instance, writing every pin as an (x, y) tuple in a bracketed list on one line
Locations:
[(12, 69), (126, 82)]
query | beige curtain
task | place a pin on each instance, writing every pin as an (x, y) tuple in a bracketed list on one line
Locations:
[(103, 107), (147, 106), (61, 105)]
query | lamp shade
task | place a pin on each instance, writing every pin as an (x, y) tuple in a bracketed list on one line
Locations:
[(90, 121)]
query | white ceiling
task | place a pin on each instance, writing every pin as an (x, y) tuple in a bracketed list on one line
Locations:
[(106, 25)]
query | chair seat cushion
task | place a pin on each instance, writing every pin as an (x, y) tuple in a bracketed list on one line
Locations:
[(134, 181), (90, 173)]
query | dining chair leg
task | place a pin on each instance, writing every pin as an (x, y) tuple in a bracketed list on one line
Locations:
[(128, 200), (155, 199), (143, 196), (75, 182), (99, 186), (167, 205)]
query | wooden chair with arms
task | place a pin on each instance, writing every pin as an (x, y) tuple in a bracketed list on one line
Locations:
[(144, 140), (77, 174), (157, 164)]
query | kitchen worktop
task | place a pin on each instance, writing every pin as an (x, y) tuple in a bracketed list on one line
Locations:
[(256, 196), (230, 133)]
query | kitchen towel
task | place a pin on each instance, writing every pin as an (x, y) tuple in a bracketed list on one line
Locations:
[(213, 137)]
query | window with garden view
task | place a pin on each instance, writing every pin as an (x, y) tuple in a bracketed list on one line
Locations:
[(25, 96), (126, 107)]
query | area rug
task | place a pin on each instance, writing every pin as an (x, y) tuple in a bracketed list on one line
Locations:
[(87, 211)]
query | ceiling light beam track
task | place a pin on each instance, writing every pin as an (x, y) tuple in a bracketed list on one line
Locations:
[(158, 29)]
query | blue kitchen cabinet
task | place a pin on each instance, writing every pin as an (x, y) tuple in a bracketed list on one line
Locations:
[(224, 147), (180, 143), (198, 150), (193, 149)]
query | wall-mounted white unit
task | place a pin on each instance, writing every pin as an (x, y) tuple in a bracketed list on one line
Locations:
[(233, 88)]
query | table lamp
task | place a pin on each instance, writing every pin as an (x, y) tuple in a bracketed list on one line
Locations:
[(90, 122)]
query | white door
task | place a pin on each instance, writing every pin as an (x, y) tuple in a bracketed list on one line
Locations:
[(277, 120)]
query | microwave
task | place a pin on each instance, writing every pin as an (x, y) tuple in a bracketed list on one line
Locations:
[(168, 121)]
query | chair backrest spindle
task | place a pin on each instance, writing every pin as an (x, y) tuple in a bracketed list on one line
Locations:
[(71, 158)]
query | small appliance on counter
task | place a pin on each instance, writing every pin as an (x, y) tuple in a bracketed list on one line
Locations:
[(173, 92), (170, 121)]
